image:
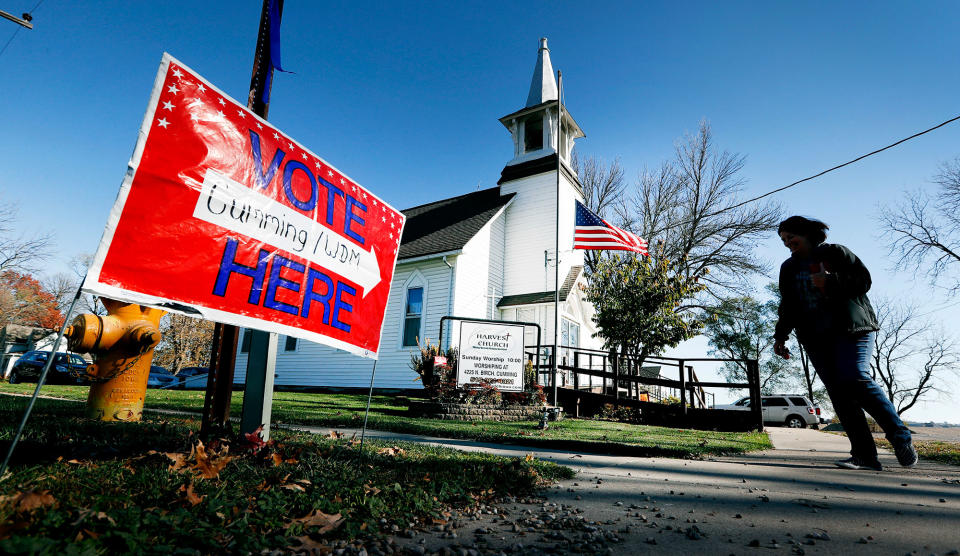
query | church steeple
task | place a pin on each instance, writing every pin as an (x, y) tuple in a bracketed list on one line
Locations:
[(543, 86), (534, 127)]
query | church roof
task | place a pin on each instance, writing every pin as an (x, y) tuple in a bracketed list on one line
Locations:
[(448, 225), (543, 86), (543, 297)]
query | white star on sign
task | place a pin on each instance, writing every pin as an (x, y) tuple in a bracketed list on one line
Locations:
[(341, 181), (364, 194), (202, 88), (167, 105), (176, 72), (317, 164), (292, 148), (173, 89), (221, 114), (241, 114), (391, 236), (330, 173), (384, 218), (275, 136), (303, 156), (220, 100), (259, 126), (163, 123)]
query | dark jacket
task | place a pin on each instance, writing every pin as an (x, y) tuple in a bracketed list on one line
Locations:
[(845, 295)]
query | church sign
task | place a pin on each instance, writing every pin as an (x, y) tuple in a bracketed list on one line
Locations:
[(490, 353), (223, 216)]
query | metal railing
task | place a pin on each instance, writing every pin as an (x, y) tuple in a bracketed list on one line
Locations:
[(622, 376)]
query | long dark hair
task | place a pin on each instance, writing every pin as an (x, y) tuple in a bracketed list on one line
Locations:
[(814, 230)]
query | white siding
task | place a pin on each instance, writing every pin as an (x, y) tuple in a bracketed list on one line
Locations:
[(530, 225), (479, 273), (317, 365)]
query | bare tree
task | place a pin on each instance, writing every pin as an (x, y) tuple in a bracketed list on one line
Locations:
[(20, 252), (923, 232), (603, 189), (911, 356), (687, 210), (186, 342)]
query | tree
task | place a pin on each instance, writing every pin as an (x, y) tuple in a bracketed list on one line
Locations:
[(743, 328), (911, 357), (19, 252), (923, 232), (186, 342), (603, 189), (638, 304), (23, 300), (688, 211)]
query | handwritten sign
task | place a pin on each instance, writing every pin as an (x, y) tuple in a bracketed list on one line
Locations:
[(222, 215), (490, 353)]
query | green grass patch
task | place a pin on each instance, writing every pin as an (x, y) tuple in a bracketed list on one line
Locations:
[(933, 450), (390, 414), (79, 486)]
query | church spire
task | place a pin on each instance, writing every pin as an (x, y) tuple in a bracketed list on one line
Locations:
[(543, 86)]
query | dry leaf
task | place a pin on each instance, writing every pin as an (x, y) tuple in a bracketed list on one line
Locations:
[(210, 465), (179, 460), (191, 496), (335, 434), (31, 500), (103, 515), (294, 486), (277, 460), (312, 546), (372, 490), (325, 522), (304, 482), (529, 458), (393, 451)]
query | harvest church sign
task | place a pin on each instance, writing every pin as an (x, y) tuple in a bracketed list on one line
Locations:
[(492, 354)]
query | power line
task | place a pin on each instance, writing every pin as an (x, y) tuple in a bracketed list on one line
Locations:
[(798, 182), (17, 30)]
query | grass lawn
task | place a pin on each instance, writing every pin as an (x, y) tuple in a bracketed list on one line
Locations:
[(389, 414), (933, 450), (83, 487)]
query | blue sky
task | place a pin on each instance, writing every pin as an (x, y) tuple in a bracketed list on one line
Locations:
[(405, 98)]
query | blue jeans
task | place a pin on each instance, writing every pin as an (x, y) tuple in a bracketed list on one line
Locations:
[(843, 364)]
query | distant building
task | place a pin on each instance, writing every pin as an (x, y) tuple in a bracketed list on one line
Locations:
[(17, 339), (487, 254)]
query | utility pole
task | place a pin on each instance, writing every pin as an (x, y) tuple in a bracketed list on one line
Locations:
[(216, 406), (23, 20)]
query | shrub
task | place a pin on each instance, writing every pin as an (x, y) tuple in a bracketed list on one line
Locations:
[(440, 381)]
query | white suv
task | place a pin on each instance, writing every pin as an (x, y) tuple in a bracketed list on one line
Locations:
[(788, 410)]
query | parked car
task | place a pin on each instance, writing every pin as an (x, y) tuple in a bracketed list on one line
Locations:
[(785, 409), (160, 378), (67, 368), (192, 377)]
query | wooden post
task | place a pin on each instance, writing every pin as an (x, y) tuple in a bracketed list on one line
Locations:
[(576, 369), (616, 375), (756, 403), (683, 389)]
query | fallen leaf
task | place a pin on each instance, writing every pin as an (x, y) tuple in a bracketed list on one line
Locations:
[(191, 496), (312, 546), (210, 465), (179, 460), (529, 458), (326, 522), (392, 451), (103, 515), (32, 500), (335, 434), (294, 486), (367, 489), (277, 459)]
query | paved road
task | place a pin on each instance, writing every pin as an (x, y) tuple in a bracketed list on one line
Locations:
[(788, 500)]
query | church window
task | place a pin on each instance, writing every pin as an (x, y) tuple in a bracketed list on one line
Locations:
[(533, 134), (290, 344), (413, 315)]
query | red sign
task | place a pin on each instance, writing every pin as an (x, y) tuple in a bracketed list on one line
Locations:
[(222, 215)]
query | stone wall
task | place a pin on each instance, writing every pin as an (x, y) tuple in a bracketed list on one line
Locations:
[(475, 412)]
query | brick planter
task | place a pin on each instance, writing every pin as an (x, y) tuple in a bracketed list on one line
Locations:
[(474, 412)]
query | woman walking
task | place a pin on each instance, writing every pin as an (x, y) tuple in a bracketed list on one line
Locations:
[(823, 290)]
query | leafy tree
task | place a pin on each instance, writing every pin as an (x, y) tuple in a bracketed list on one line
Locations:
[(639, 304), (923, 232), (742, 328), (23, 300)]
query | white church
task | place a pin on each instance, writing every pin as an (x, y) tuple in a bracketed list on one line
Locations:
[(488, 254)]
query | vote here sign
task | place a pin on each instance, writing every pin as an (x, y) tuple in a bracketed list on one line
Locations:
[(222, 215)]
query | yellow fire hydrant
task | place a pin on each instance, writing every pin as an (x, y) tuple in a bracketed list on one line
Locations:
[(122, 343)]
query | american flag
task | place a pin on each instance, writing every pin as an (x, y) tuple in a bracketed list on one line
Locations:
[(594, 233)]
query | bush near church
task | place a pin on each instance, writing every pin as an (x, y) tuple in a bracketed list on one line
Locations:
[(485, 400)]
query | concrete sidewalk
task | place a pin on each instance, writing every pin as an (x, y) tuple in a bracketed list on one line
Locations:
[(791, 500)]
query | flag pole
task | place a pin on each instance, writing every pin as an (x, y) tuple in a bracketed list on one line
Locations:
[(556, 252)]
